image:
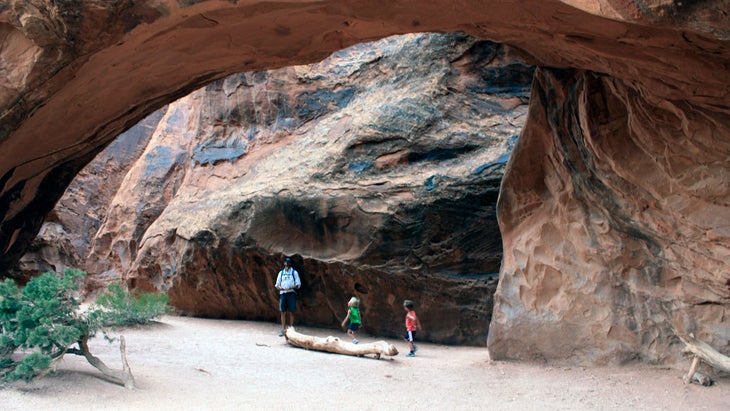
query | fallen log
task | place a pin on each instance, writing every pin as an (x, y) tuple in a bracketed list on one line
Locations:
[(706, 353), (337, 346)]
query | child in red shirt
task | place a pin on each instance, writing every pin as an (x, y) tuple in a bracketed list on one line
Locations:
[(412, 324)]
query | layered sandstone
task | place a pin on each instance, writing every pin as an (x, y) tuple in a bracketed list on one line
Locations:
[(68, 232), (612, 236), (377, 166), (633, 110)]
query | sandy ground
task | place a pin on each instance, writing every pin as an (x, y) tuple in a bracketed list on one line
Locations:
[(197, 364)]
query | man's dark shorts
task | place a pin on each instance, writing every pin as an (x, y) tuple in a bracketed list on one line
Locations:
[(288, 302), (410, 336)]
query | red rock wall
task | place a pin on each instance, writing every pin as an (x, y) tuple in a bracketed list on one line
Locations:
[(378, 169), (615, 235), (68, 231), (76, 76), (83, 72)]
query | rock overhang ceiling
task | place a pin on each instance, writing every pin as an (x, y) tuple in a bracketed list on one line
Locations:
[(640, 80)]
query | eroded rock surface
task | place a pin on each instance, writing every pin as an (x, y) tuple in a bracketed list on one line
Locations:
[(378, 169), (68, 232), (76, 75), (621, 254)]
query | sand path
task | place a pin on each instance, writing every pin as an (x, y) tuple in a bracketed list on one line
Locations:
[(196, 364)]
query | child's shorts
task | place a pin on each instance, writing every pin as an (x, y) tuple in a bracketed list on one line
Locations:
[(410, 335), (354, 326)]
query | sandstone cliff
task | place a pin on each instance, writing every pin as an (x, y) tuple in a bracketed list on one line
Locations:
[(378, 169), (67, 234), (631, 104)]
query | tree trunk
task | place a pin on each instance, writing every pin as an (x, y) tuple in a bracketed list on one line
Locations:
[(335, 345), (124, 376)]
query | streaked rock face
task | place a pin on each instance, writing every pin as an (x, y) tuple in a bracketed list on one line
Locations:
[(602, 222), (378, 169), (74, 78), (68, 232)]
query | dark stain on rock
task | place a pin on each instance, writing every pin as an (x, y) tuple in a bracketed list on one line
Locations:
[(282, 30)]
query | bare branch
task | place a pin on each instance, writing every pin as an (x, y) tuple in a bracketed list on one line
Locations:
[(124, 376), (706, 352), (335, 345)]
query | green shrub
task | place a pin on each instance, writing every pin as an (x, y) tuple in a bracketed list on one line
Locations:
[(42, 322), (117, 307)]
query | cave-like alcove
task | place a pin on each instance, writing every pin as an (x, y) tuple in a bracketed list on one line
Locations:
[(613, 209)]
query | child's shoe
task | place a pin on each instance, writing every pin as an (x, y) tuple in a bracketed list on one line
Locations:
[(355, 341), (411, 354)]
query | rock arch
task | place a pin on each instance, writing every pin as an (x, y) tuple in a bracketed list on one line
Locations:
[(621, 173)]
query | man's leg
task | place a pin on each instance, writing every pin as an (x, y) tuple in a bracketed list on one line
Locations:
[(282, 309), (291, 307), (283, 322)]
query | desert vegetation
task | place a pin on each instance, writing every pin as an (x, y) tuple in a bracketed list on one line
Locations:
[(44, 320)]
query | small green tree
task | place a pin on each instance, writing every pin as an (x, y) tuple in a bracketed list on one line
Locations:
[(118, 307), (43, 321)]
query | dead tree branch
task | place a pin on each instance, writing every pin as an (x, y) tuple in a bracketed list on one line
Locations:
[(123, 376), (706, 353), (337, 346)]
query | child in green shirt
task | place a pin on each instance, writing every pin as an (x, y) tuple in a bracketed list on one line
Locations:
[(353, 315)]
